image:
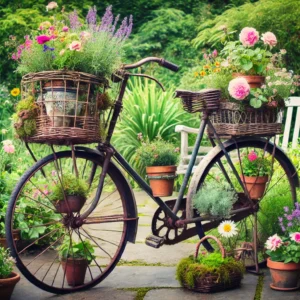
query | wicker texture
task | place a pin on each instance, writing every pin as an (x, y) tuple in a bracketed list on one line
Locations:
[(69, 110), (211, 283), (230, 120), (204, 100)]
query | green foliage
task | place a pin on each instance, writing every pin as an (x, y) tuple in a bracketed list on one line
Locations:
[(6, 263), (215, 198), (189, 270), (157, 153), (70, 249), (255, 164), (71, 185)]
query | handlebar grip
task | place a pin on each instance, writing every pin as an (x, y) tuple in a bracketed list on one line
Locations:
[(168, 65)]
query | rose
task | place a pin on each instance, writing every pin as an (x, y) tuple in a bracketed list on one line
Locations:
[(249, 36), (269, 38), (75, 45), (295, 237), (42, 39), (252, 156), (239, 88), (51, 5), (274, 242)]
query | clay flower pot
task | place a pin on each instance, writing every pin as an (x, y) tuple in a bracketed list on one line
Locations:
[(161, 180), (16, 237), (255, 185), (285, 277), (255, 81), (75, 270), (71, 204), (7, 285)]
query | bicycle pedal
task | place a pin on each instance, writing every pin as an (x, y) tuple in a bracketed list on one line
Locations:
[(154, 241)]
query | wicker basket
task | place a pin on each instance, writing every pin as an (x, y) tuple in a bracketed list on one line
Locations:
[(211, 283), (204, 100), (68, 106), (231, 120)]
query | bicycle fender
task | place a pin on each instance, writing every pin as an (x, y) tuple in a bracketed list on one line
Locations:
[(130, 205)]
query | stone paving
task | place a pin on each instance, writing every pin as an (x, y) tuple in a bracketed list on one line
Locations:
[(126, 282)]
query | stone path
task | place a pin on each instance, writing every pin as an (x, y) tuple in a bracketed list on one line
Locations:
[(137, 281)]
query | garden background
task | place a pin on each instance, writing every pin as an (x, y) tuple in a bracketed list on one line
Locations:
[(180, 31)]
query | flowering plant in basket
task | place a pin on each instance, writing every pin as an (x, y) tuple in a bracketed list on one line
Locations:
[(67, 42)]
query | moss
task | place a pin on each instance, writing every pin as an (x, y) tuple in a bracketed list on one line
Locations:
[(189, 269), (141, 292), (104, 101), (259, 288), (139, 263)]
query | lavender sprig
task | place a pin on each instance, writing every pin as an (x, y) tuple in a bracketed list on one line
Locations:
[(91, 17), (74, 20), (107, 20)]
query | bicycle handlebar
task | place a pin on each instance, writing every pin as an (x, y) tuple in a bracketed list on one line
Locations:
[(162, 62)]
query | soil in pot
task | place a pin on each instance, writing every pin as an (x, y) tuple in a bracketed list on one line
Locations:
[(255, 185), (161, 180), (72, 203), (7, 286), (75, 270), (255, 81), (285, 277)]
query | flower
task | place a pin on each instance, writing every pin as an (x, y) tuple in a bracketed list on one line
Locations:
[(196, 74), (227, 229), (85, 35), (273, 242), (75, 45), (42, 39), (8, 146), (283, 51), (46, 48), (206, 67), (217, 70), (217, 64), (15, 92), (286, 208), (44, 25), (269, 38), (65, 28), (249, 36), (51, 5), (295, 237), (239, 88), (4, 131), (214, 53), (252, 156), (202, 73), (62, 52)]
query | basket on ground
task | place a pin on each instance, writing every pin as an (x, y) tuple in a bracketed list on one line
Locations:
[(232, 120), (69, 106), (199, 278)]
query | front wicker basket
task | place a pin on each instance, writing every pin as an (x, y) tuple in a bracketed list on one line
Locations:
[(232, 120), (68, 106)]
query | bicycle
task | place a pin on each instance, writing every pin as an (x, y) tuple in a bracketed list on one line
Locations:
[(109, 219)]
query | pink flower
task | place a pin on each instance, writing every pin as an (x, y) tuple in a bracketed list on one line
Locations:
[(65, 28), (215, 53), (85, 35), (249, 36), (295, 237), (239, 88), (252, 156), (51, 5), (75, 45), (8, 146), (274, 242), (42, 39), (269, 38)]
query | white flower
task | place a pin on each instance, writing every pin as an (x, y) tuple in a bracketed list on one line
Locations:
[(51, 5), (7, 143), (273, 242), (227, 229)]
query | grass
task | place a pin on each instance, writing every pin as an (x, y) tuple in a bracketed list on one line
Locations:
[(259, 288), (141, 292), (142, 263)]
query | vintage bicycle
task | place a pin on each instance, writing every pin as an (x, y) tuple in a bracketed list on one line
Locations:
[(109, 218)]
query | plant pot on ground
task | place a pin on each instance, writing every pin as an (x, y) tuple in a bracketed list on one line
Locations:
[(160, 159), (255, 169), (8, 278), (3, 242), (75, 258), (69, 194)]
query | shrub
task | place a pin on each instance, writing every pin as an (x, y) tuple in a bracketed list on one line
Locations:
[(6, 263)]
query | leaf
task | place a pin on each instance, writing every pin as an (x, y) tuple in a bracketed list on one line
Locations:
[(247, 65), (287, 260), (256, 103)]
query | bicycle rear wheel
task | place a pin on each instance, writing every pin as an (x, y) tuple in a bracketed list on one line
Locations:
[(280, 190), (44, 229)]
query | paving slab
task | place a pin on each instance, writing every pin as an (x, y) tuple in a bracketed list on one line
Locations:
[(268, 293)]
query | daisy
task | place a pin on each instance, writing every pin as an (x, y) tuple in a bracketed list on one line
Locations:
[(227, 229)]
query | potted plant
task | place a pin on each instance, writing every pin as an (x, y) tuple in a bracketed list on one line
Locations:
[(284, 252), (255, 174), (75, 258), (8, 278), (69, 194), (210, 272), (160, 158)]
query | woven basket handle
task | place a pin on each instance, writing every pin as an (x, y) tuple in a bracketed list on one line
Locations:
[(213, 238)]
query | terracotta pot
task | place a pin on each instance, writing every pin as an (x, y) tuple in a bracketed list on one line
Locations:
[(161, 187), (7, 286), (71, 204), (75, 270), (255, 81), (255, 185), (285, 277), (3, 242)]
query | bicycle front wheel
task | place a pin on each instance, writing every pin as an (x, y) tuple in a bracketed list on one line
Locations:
[(52, 244)]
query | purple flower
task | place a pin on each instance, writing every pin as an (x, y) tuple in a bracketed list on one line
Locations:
[(107, 19), (290, 224), (91, 17), (286, 208), (46, 48), (280, 219), (125, 29), (283, 228), (289, 217), (74, 21)]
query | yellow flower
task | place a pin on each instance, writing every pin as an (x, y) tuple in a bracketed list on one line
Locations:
[(15, 92), (217, 64), (202, 73), (206, 67), (196, 74), (217, 70)]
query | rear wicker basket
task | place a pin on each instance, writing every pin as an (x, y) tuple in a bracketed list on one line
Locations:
[(68, 106), (232, 120)]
